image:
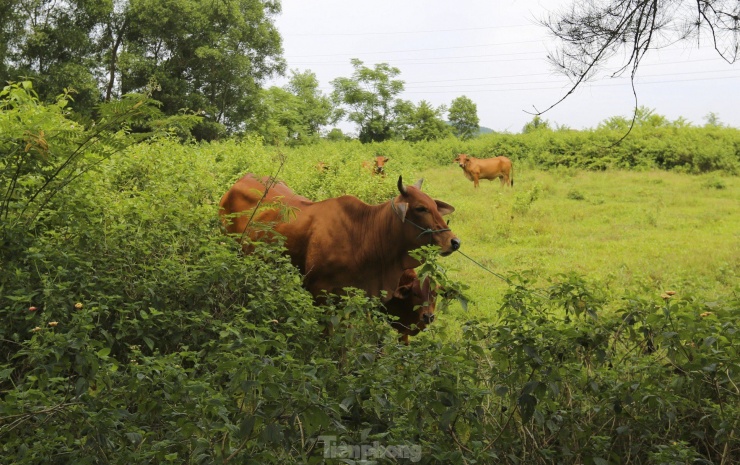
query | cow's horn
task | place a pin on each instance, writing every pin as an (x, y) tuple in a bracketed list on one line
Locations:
[(401, 187), (418, 183)]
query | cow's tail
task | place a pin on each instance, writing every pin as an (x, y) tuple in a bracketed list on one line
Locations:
[(511, 175)]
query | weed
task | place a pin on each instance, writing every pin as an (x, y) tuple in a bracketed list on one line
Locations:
[(574, 194)]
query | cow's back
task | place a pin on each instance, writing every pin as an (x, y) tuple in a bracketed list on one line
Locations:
[(237, 204), (493, 168), (328, 239)]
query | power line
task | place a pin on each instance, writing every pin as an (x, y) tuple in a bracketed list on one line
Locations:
[(561, 87), (416, 49), (405, 61), (433, 31), (546, 82)]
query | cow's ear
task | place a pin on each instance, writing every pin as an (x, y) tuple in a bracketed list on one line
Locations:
[(403, 292), (444, 208), (401, 209), (385, 159)]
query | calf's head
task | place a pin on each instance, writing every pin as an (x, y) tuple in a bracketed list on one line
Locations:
[(413, 303), (461, 160), (380, 165)]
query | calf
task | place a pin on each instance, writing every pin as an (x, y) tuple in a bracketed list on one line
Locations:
[(488, 168), (377, 166), (413, 303)]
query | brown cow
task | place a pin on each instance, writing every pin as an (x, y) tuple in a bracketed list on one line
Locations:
[(486, 168), (413, 302), (276, 206), (377, 166), (344, 242)]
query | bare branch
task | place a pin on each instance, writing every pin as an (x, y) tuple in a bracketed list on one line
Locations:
[(592, 32)]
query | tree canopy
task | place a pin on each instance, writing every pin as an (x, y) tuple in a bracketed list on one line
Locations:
[(463, 117), (205, 59), (295, 113), (209, 57), (369, 99)]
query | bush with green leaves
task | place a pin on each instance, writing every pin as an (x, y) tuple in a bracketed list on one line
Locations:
[(134, 331)]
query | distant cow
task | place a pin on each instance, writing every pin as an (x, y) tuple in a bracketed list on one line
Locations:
[(488, 168), (413, 303), (344, 242), (377, 166)]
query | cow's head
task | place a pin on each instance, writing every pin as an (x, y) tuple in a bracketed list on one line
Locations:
[(424, 214), (413, 302), (380, 165), (462, 160)]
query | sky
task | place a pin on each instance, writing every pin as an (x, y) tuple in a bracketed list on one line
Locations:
[(495, 53)]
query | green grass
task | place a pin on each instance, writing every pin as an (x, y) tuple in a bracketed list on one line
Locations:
[(641, 232)]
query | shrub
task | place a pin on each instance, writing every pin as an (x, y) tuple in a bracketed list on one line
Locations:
[(135, 332)]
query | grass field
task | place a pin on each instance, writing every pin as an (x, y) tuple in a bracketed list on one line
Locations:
[(625, 232)]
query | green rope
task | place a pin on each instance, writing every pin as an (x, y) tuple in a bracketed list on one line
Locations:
[(501, 277)]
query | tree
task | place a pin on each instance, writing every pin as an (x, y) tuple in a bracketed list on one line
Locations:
[(207, 56), (294, 114), (316, 109), (336, 135), (370, 98), (211, 57), (276, 118), (463, 116), (52, 43), (537, 124), (712, 120), (592, 32), (424, 122)]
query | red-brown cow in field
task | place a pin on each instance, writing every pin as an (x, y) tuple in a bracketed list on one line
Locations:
[(377, 166), (413, 302), (344, 242), (486, 168)]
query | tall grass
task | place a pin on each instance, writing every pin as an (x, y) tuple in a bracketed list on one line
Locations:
[(626, 231)]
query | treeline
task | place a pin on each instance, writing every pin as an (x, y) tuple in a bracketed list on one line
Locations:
[(206, 63), (209, 59)]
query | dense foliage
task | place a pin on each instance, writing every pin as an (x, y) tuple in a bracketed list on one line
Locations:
[(207, 57), (134, 331)]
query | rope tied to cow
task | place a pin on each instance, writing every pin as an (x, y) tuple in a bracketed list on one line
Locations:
[(501, 277), (422, 228)]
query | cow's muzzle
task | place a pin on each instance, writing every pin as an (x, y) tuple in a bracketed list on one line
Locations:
[(454, 246)]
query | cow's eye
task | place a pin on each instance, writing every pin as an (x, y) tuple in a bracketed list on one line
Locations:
[(421, 209)]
